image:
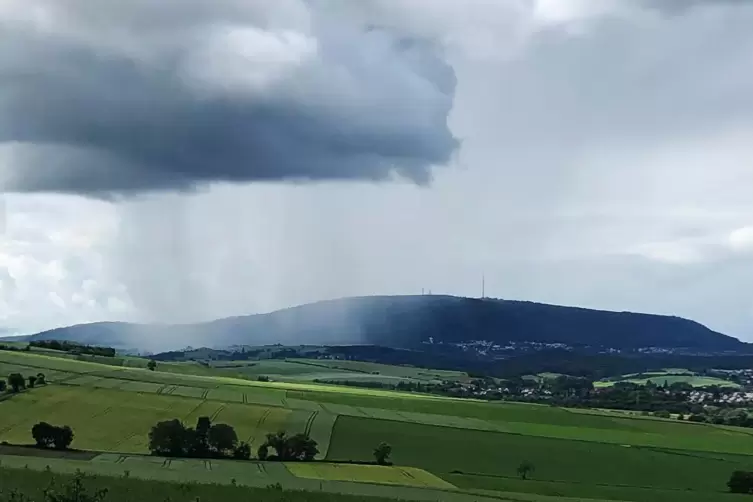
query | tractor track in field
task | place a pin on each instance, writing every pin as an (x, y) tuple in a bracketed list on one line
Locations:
[(404, 418), (217, 412), (8, 428), (120, 385), (102, 413), (125, 440), (310, 423), (259, 423), (407, 474), (193, 410), (326, 410), (362, 412), (65, 380)]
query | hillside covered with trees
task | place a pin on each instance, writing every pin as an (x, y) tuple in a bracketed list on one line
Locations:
[(411, 322)]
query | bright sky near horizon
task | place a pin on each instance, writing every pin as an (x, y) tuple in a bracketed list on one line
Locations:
[(184, 160)]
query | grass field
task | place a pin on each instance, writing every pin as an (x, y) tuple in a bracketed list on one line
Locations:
[(355, 370), (472, 445), (218, 476), (669, 377), (473, 459), (308, 370), (192, 483)]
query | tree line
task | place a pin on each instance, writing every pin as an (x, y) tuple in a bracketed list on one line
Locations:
[(172, 438), (207, 440), (73, 347), (16, 382)]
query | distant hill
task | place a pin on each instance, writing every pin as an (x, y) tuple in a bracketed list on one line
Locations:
[(407, 322)]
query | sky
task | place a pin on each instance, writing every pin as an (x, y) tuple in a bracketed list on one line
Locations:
[(179, 161)]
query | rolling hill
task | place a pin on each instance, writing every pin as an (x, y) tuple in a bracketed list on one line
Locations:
[(408, 322)]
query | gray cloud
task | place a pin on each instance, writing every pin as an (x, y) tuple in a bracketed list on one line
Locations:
[(678, 6), (605, 163), (119, 98)]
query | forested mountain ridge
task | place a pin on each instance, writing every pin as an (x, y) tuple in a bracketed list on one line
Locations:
[(411, 322)]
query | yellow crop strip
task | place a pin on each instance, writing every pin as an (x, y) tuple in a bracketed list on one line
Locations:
[(387, 475)]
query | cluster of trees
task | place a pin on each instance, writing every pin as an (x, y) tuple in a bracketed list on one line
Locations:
[(739, 417), (651, 398), (52, 436), (629, 396), (661, 400), (298, 447), (173, 439), (16, 382), (741, 482), (73, 347)]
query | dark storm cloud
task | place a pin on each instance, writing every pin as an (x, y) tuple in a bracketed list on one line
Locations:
[(85, 115)]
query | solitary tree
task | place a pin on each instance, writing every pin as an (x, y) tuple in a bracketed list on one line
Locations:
[(525, 468), (382, 453), (152, 364), (16, 382), (41, 379), (51, 436), (741, 482)]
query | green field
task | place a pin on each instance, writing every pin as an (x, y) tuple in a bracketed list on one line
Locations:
[(443, 449), (192, 482), (308, 370), (355, 370), (669, 377)]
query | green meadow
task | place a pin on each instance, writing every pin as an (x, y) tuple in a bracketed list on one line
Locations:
[(669, 376)]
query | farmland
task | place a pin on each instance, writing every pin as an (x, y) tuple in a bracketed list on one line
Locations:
[(309, 370), (443, 448), (669, 377)]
